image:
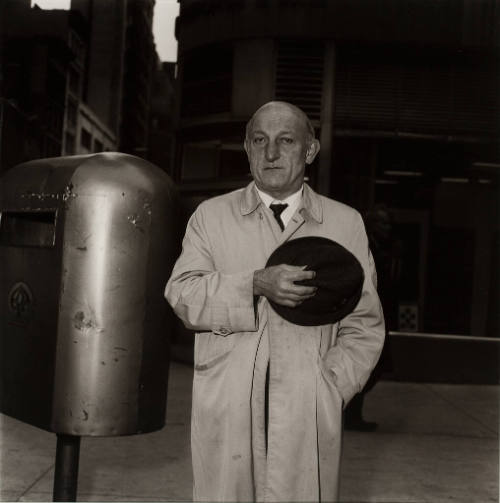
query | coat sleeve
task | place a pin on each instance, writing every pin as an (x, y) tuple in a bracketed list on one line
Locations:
[(361, 334), (206, 299)]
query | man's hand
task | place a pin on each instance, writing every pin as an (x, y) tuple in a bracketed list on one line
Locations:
[(277, 283)]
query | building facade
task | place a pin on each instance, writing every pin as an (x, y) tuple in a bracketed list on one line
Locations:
[(76, 81), (36, 59), (139, 66), (162, 128), (404, 99), (47, 103), (96, 86), (120, 67)]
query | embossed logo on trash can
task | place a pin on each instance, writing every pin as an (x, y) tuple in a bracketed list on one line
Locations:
[(20, 301)]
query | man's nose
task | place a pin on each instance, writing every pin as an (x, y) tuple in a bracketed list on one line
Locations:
[(272, 152)]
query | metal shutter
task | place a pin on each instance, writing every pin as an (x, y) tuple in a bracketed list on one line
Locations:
[(423, 95), (299, 75)]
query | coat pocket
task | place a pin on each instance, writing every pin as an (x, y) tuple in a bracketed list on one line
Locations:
[(211, 349), (329, 378)]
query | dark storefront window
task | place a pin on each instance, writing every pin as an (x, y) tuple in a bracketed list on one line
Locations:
[(450, 281), (493, 320), (445, 216)]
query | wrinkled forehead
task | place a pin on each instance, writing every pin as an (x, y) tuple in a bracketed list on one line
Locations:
[(274, 118)]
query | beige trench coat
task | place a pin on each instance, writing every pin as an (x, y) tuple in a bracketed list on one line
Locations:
[(314, 371)]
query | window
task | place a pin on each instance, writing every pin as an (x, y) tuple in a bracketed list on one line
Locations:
[(71, 113), (70, 144), (86, 139), (56, 84), (200, 162), (98, 146), (52, 147), (233, 163), (214, 160), (74, 81), (77, 47), (207, 81)]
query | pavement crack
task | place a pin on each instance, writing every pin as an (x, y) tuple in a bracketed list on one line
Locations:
[(463, 411), (35, 482)]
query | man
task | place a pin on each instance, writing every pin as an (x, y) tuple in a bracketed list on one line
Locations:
[(274, 439)]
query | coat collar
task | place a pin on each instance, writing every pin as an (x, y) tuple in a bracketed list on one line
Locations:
[(311, 201)]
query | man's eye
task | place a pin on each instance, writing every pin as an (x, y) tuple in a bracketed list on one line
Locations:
[(287, 140), (258, 140)]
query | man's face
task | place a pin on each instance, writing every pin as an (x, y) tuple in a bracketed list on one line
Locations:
[(278, 148)]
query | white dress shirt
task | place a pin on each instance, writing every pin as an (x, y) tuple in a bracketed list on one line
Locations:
[(293, 202)]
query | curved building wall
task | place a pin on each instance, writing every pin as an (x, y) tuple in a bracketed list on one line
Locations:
[(438, 23), (392, 67), (403, 95)]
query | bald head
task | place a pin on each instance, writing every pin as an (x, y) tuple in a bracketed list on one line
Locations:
[(280, 106), (279, 143)]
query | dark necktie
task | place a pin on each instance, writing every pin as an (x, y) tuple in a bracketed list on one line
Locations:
[(278, 209)]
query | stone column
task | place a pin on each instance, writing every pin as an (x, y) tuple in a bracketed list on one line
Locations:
[(327, 120)]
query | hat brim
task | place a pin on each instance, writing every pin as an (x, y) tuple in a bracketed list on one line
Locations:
[(339, 275)]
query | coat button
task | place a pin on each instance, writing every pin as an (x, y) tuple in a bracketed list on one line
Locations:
[(222, 331)]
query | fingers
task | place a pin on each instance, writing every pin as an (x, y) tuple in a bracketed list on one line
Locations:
[(291, 301), (302, 297), (290, 294), (297, 273), (303, 291), (277, 283), (293, 297)]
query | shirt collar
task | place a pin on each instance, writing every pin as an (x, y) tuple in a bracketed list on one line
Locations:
[(291, 200), (311, 201)]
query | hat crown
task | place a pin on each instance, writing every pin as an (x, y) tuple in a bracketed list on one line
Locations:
[(339, 280)]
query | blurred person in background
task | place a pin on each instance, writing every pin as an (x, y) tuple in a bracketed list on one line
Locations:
[(386, 250)]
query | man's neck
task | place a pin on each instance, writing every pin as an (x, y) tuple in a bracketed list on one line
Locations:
[(275, 196)]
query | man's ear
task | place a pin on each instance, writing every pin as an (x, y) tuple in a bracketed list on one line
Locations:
[(245, 146), (312, 151)]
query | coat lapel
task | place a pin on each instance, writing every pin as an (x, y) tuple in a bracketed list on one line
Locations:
[(310, 207)]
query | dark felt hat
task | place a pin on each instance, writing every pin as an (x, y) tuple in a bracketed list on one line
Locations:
[(339, 280)]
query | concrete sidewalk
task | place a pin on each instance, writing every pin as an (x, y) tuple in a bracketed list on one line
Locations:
[(435, 443)]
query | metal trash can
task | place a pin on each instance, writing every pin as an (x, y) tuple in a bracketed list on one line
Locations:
[(86, 246)]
